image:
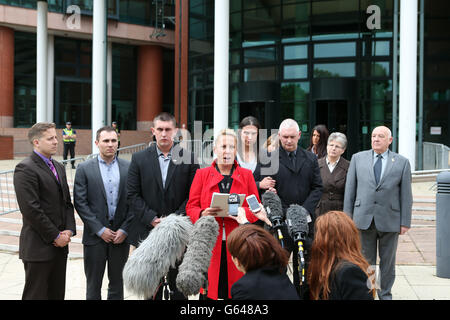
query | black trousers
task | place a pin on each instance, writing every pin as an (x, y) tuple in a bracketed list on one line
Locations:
[(69, 147), (95, 258), (45, 280)]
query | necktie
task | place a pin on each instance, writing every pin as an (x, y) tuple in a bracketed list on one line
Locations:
[(377, 169), (52, 167), (292, 158)]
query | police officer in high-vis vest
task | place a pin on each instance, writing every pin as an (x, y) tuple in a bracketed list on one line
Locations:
[(69, 138)]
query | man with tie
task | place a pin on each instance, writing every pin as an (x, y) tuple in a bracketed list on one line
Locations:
[(298, 181), (378, 197), (100, 198), (159, 180), (48, 218)]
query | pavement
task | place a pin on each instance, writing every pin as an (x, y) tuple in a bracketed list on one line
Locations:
[(416, 277)]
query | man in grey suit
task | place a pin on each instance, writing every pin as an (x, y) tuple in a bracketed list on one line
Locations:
[(100, 197), (378, 197)]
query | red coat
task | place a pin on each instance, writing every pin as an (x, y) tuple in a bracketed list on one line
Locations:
[(206, 182)]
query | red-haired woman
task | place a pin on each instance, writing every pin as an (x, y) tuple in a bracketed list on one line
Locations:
[(257, 254), (338, 270)]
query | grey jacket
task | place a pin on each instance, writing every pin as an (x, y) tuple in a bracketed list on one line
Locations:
[(389, 203), (90, 200)]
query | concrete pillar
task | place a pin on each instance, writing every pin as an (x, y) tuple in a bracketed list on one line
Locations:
[(6, 77), (408, 80), (99, 45), (50, 77), (221, 52), (149, 85), (41, 61)]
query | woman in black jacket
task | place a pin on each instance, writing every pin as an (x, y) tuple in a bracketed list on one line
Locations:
[(257, 254), (338, 270)]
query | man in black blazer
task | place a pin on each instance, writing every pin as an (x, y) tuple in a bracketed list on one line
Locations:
[(159, 180), (100, 198), (44, 200), (298, 181)]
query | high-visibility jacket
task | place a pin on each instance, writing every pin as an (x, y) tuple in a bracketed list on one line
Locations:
[(68, 133)]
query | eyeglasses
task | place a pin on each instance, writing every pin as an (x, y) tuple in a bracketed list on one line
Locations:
[(331, 145)]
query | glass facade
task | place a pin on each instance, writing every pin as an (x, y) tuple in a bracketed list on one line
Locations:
[(143, 12), (296, 47), (72, 82), (436, 104)]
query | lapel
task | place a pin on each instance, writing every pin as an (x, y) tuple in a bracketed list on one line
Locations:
[(41, 163), (170, 171), (97, 175), (284, 159), (123, 177), (369, 163), (154, 165), (389, 164), (214, 178)]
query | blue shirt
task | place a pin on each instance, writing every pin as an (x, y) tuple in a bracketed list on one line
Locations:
[(111, 181), (164, 164)]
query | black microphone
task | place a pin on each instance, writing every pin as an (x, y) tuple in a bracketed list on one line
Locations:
[(193, 271), (297, 221), (272, 203), (150, 262)]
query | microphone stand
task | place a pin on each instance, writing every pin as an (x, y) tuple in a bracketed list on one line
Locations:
[(301, 257)]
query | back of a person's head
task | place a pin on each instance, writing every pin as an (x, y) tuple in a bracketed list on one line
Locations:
[(336, 233), (254, 247), (336, 240)]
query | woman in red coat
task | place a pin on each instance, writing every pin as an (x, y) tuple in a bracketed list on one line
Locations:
[(224, 176)]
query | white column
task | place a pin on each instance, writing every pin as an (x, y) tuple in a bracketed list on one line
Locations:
[(109, 85), (98, 69), (408, 81), (41, 62), (221, 46), (50, 77)]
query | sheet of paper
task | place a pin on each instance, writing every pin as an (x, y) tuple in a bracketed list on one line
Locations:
[(220, 200)]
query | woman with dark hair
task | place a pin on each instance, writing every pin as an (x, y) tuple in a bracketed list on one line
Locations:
[(247, 155), (338, 269), (319, 138), (257, 254)]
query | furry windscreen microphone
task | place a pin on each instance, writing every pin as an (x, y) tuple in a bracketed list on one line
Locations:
[(151, 261), (297, 221), (272, 202), (193, 271)]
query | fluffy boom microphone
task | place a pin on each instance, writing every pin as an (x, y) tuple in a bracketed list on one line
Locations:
[(193, 271), (151, 261), (297, 221)]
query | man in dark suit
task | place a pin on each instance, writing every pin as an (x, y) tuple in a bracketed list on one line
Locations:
[(43, 196), (159, 180), (100, 198), (298, 181)]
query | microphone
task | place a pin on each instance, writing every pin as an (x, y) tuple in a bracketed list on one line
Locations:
[(272, 203), (193, 271), (297, 221), (151, 261)]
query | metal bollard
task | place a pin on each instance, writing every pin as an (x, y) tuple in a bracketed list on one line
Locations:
[(443, 225)]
